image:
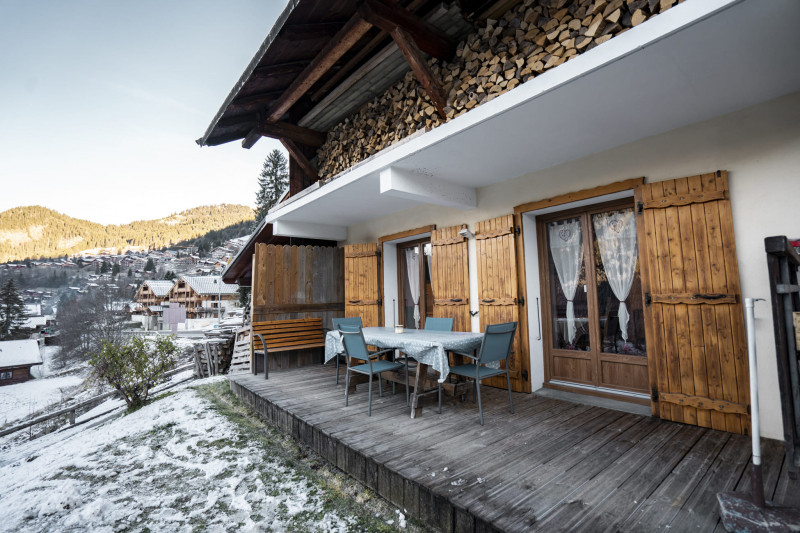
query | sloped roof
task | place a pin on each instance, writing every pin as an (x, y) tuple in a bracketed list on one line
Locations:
[(20, 353), (159, 287), (210, 285)]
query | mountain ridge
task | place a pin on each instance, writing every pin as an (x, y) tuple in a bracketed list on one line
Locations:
[(32, 232)]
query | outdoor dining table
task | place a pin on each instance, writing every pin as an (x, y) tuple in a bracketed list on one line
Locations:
[(429, 348)]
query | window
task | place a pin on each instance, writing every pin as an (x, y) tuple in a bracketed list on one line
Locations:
[(6, 375)]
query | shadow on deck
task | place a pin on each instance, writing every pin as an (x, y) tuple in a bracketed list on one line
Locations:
[(551, 466)]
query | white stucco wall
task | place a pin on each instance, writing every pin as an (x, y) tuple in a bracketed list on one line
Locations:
[(758, 146)]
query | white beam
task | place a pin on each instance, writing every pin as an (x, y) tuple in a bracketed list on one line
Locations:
[(403, 183), (309, 230)]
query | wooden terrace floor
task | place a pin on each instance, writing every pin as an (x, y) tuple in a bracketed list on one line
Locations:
[(551, 466)]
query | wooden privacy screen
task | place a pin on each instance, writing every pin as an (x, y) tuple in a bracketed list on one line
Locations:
[(498, 291), (694, 323), (362, 285), (450, 276), (297, 282)]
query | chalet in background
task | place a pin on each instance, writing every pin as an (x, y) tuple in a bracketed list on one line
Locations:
[(602, 172)]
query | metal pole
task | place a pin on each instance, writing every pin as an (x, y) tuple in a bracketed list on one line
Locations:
[(756, 482)]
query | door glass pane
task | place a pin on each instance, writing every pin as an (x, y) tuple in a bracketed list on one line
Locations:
[(411, 289), (619, 291), (428, 286), (569, 307)]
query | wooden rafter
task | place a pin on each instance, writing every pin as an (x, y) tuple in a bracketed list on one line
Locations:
[(297, 154), (280, 69), (251, 139), (284, 130), (351, 32), (390, 17), (421, 69), (257, 98)]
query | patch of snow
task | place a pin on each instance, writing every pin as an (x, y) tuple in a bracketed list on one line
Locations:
[(23, 399), (173, 465)]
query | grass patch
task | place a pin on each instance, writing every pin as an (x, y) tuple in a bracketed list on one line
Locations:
[(339, 493)]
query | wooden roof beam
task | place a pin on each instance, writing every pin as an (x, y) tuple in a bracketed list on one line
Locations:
[(297, 154), (421, 69), (257, 98), (390, 17), (351, 32), (298, 134), (279, 69)]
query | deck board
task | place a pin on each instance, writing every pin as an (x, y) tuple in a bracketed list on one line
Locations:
[(551, 466)]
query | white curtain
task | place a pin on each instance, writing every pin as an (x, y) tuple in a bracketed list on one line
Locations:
[(616, 238), (566, 247), (412, 269)]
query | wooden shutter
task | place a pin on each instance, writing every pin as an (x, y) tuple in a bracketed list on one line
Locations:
[(694, 323), (498, 292), (450, 276), (362, 290)]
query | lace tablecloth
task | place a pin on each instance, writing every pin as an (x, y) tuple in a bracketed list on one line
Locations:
[(426, 346)]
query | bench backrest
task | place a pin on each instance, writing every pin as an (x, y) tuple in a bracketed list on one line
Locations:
[(286, 333)]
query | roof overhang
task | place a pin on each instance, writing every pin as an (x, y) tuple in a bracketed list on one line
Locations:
[(696, 61)]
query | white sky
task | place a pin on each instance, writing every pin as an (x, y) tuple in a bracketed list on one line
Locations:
[(101, 102)]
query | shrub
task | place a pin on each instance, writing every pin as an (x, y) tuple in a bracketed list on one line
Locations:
[(135, 366)]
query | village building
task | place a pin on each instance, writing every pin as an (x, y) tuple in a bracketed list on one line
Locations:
[(603, 173), (152, 294), (204, 296), (16, 360)]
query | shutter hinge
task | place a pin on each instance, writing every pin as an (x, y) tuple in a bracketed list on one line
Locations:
[(380, 302), (654, 394), (521, 301), (719, 174), (517, 230), (647, 299), (524, 375), (639, 207)]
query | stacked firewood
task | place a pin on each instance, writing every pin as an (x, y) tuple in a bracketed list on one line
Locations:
[(528, 40)]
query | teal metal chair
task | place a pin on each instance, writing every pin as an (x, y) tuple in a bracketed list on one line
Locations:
[(351, 322), (495, 347), (434, 323), (356, 348)]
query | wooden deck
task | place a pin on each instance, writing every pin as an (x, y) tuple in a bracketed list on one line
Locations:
[(551, 466)]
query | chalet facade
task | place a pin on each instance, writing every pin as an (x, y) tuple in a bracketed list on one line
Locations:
[(602, 172), (16, 360), (203, 296), (152, 294)]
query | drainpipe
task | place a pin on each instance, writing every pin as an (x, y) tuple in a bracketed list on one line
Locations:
[(756, 481)]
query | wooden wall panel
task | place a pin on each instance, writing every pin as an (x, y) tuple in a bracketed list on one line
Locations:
[(697, 345), (450, 279)]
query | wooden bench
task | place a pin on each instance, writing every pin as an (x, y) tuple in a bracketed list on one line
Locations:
[(284, 335)]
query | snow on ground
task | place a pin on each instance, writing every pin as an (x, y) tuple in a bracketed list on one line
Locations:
[(23, 399), (174, 465)]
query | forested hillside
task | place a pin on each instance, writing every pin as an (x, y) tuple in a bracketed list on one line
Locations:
[(37, 232)]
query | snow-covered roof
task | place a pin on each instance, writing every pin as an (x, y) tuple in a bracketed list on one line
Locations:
[(35, 322), (20, 353), (160, 287), (210, 285)]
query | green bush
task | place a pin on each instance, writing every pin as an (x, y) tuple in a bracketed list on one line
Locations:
[(135, 366)]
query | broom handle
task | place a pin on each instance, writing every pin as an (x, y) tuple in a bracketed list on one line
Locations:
[(757, 485)]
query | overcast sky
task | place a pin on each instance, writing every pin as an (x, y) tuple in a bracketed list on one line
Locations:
[(101, 102)]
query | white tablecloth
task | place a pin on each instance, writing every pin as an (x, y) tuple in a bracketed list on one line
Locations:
[(426, 346)]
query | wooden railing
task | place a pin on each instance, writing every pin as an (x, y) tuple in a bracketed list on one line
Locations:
[(783, 262)]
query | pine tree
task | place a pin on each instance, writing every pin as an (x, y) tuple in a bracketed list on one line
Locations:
[(12, 312), (272, 181), (150, 266), (115, 270)]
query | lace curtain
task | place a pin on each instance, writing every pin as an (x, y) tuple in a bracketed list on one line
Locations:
[(566, 248), (616, 239), (412, 269)]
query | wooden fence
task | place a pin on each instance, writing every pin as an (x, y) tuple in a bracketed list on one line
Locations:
[(297, 282)]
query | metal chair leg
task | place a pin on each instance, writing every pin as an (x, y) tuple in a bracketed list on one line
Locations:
[(510, 399), (369, 404), (440, 396), (337, 368), (380, 386), (407, 398), (480, 406), (346, 386)]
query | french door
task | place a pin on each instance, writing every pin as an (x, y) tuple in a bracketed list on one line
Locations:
[(593, 320), (415, 292)]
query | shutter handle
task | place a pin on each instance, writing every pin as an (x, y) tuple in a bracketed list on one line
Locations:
[(354, 301), (710, 296), (456, 299), (487, 300)]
